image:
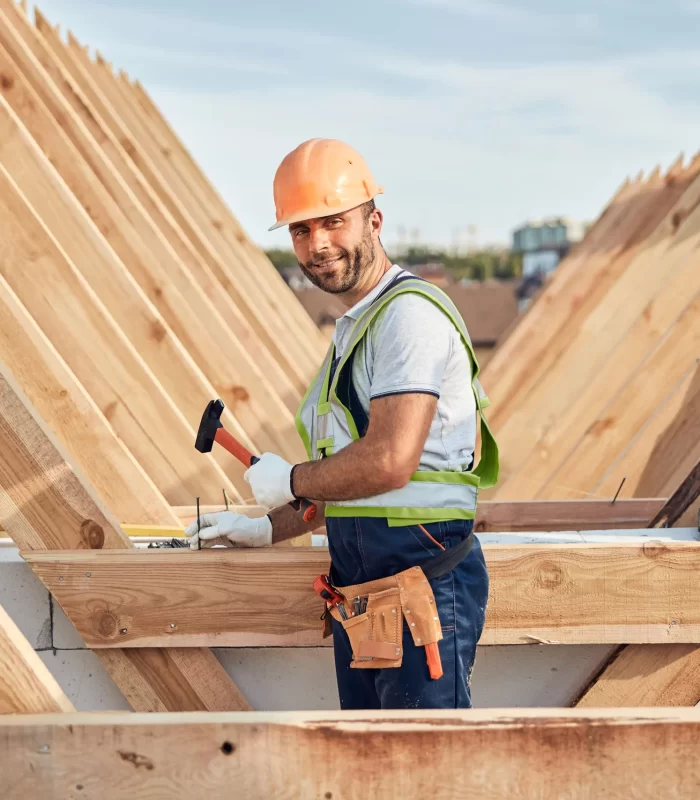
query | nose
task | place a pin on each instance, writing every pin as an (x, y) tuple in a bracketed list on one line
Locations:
[(319, 240)]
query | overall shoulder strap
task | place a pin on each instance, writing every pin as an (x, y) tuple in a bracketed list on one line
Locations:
[(488, 468)]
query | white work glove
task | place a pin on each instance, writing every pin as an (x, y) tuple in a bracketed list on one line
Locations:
[(270, 480), (237, 528)]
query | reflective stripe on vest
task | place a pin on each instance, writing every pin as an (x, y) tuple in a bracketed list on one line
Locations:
[(326, 426)]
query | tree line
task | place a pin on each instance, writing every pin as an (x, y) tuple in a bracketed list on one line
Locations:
[(477, 265)]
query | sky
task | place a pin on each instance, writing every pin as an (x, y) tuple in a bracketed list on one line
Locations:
[(474, 116)]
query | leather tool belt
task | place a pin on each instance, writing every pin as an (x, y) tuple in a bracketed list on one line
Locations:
[(376, 610)]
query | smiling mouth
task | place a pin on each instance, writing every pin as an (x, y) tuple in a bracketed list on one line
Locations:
[(326, 264)]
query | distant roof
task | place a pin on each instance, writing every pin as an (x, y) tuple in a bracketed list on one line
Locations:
[(320, 306), (488, 307)]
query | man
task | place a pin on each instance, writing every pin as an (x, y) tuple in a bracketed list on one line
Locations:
[(389, 426)]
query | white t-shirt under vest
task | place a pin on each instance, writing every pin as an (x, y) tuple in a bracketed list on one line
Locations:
[(412, 346)]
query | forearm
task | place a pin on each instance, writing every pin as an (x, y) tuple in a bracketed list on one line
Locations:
[(288, 523), (362, 469)]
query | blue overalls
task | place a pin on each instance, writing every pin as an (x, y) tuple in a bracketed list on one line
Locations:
[(366, 548)]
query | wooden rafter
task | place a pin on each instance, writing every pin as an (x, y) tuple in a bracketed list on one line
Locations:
[(26, 685), (46, 503), (652, 675)]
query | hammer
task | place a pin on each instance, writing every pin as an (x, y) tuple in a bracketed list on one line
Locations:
[(211, 430)]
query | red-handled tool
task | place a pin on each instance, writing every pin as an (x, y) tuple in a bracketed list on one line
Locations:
[(432, 655), (324, 588), (212, 430)]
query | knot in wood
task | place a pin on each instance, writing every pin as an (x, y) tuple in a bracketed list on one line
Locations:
[(92, 535), (106, 624), (654, 550), (550, 575)]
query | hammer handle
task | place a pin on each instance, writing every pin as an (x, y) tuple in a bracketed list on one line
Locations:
[(306, 508)]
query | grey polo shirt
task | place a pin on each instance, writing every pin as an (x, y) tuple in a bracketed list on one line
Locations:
[(412, 346)]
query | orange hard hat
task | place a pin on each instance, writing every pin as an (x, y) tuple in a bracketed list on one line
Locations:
[(318, 178)]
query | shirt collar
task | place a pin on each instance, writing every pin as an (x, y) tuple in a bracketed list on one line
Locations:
[(361, 305)]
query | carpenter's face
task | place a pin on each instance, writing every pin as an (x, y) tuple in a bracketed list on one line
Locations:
[(335, 251)]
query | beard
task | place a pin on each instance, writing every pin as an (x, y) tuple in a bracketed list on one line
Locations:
[(345, 273)]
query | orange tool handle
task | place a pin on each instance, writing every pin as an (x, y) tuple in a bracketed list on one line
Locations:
[(224, 438), (306, 508), (432, 655)]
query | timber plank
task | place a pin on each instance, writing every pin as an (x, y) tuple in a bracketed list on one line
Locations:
[(26, 685), (222, 343), (224, 221), (97, 351), (228, 240), (647, 675), (608, 287), (45, 502), (75, 419), (553, 594), (683, 498), (96, 192), (521, 754), (505, 516), (563, 515), (33, 171), (239, 285)]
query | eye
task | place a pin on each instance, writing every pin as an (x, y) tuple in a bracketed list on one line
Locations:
[(335, 221)]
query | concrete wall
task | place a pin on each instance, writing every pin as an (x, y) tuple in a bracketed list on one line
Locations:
[(282, 678)]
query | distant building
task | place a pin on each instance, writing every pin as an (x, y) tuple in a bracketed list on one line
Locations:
[(543, 244)]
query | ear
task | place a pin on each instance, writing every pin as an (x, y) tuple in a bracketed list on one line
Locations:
[(376, 221)]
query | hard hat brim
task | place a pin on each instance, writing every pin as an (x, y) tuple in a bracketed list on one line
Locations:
[(320, 212)]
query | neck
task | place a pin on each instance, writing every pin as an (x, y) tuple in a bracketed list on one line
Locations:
[(370, 278)]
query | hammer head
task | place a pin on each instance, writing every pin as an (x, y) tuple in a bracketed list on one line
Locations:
[(208, 426)]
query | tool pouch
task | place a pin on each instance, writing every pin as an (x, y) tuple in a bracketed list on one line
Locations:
[(376, 636)]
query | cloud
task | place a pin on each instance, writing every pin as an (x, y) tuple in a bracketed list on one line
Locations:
[(456, 137)]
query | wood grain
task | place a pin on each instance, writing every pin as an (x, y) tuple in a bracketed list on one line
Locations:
[(98, 352), (659, 675), (521, 754), (26, 685), (136, 224), (75, 419), (647, 675), (234, 279), (552, 594), (564, 515), (585, 382), (46, 503)]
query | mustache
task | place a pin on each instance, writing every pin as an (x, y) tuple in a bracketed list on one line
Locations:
[(315, 262)]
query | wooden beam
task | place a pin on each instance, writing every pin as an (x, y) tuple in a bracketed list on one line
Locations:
[(133, 220), (46, 503), (226, 224), (33, 172), (553, 594), (517, 516), (658, 675), (75, 418), (26, 685), (521, 754), (564, 515), (236, 279), (97, 350), (683, 498), (644, 675)]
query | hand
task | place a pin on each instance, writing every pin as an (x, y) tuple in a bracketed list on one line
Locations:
[(270, 480), (239, 529)]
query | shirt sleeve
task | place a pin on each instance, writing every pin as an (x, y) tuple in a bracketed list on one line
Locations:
[(411, 342)]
